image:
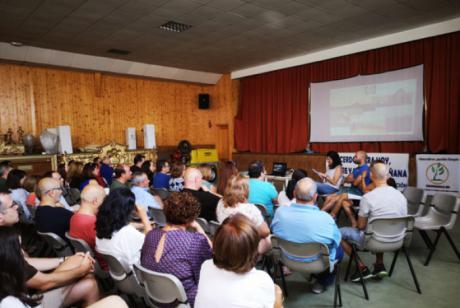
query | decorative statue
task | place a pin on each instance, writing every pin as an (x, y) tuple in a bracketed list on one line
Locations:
[(20, 132), (9, 136), (49, 142)]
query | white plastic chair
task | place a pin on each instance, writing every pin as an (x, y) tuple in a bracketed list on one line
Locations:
[(414, 198), (161, 288), (390, 234), (441, 217)]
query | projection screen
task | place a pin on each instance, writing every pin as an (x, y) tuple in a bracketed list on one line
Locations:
[(380, 107)]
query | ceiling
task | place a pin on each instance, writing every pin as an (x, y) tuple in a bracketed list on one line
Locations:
[(226, 35)]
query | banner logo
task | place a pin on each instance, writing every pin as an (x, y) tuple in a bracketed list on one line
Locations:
[(437, 173)]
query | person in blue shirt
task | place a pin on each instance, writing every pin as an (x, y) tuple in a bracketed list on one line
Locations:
[(355, 179), (162, 177), (140, 189), (260, 191), (304, 222)]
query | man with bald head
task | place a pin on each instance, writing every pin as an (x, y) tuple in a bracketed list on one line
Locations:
[(193, 180), (83, 222), (51, 216), (303, 222), (382, 201)]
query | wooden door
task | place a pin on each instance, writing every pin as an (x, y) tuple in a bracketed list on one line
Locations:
[(223, 142)]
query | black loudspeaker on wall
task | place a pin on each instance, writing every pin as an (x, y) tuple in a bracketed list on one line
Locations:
[(203, 101)]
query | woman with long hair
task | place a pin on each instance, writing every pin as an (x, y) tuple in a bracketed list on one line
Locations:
[(332, 178), (114, 233), (225, 173), (15, 183), (13, 269), (74, 174)]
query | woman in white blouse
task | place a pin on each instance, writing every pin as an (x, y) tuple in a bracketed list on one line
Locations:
[(235, 200)]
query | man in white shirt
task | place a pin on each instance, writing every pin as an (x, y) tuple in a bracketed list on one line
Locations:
[(382, 201)]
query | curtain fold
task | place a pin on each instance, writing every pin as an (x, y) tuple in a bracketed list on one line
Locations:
[(273, 112)]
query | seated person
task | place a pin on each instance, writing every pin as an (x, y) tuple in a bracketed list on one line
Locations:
[(5, 168), (51, 216), (138, 161), (235, 200), (355, 178), (90, 175), (226, 171), (208, 201), (15, 183), (161, 177), (261, 192), (122, 176), (287, 197), (114, 233), (106, 170), (140, 189), (303, 222), (176, 182), (63, 281), (382, 201), (176, 250), (83, 222), (206, 171), (230, 279), (332, 178), (149, 168), (57, 176), (75, 174)]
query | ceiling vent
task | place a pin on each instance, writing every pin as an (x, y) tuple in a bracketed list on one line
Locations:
[(175, 26), (119, 51)]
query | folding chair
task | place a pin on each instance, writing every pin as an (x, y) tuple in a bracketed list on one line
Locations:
[(213, 226), (59, 245), (414, 198), (204, 224), (158, 216), (161, 288), (318, 253), (386, 235), (441, 217), (264, 212)]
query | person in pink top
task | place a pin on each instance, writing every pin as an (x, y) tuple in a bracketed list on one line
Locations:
[(83, 222)]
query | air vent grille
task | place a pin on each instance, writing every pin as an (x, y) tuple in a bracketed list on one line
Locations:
[(175, 26)]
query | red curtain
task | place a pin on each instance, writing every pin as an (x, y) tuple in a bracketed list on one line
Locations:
[(273, 112)]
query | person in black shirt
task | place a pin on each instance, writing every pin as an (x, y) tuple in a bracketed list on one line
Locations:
[(208, 201), (138, 161)]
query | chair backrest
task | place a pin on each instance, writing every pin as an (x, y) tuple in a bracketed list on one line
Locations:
[(203, 223), (160, 192), (161, 288), (283, 200), (388, 234), (444, 209), (264, 212), (59, 245), (309, 258), (213, 226), (125, 281), (158, 216), (414, 197)]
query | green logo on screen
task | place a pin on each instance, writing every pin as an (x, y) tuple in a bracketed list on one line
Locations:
[(437, 173)]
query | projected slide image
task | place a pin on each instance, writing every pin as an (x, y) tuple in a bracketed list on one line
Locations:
[(373, 108)]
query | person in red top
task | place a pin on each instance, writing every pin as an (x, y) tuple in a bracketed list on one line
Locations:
[(83, 222)]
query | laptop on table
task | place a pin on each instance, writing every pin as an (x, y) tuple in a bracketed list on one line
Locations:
[(279, 169)]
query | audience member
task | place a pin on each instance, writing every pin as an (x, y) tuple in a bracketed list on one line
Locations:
[(149, 168), (122, 175), (332, 178), (230, 279), (382, 201), (83, 222), (8, 210), (57, 176), (50, 215), (176, 182), (15, 183), (207, 173), (90, 175), (261, 192), (207, 200), (303, 222), (140, 190), (161, 177), (235, 200), (75, 174), (5, 168), (138, 161), (288, 197), (175, 249), (30, 185), (227, 170), (114, 233), (106, 170)]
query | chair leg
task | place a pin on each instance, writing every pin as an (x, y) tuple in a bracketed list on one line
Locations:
[(283, 281), (433, 248), (347, 273), (426, 239), (452, 244), (393, 263), (363, 283), (337, 293), (414, 277)]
